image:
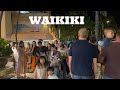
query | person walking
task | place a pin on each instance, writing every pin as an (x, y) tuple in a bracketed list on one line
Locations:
[(83, 57)]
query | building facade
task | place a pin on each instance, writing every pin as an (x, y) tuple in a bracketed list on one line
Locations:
[(25, 30)]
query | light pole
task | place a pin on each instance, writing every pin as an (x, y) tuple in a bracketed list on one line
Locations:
[(17, 28), (96, 25), (1, 13), (108, 21)]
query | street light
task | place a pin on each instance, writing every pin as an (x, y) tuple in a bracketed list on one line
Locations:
[(107, 21)]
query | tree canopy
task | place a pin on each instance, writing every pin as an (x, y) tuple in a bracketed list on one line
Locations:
[(69, 32)]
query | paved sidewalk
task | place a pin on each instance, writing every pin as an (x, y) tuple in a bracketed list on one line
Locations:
[(13, 74), (31, 75)]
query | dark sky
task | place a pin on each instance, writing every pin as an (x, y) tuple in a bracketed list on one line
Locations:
[(116, 15)]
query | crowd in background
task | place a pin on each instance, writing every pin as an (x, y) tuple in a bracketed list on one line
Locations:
[(78, 59), (43, 61)]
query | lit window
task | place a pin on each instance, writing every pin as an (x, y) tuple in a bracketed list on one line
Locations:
[(24, 12)]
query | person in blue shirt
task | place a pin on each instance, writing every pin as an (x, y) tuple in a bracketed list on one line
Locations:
[(83, 57), (109, 34)]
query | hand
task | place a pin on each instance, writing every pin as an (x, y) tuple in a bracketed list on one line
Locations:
[(96, 77), (70, 74)]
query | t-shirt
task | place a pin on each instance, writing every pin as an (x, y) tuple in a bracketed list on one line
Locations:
[(112, 65), (35, 51), (82, 53), (107, 42), (53, 77), (63, 52), (57, 59)]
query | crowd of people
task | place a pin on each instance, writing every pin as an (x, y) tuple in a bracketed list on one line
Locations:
[(44, 61), (78, 59)]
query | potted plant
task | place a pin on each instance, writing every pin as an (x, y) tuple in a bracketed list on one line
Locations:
[(5, 52)]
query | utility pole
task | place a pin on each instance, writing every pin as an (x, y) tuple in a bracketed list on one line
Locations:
[(96, 25)]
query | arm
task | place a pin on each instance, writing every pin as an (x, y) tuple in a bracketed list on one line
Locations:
[(100, 58), (70, 59), (102, 55), (51, 60), (47, 53), (95, 67), (69, 64), (37, 54), (56, 61)]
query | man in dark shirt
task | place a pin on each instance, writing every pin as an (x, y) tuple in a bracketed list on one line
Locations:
[(112, 55), (83, 57)]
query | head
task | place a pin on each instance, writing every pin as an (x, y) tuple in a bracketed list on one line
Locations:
[(34, 43), (40, 40), (118, 36), (13, 44), (56, 41), (109, 32), (56, 53), (21, 44), (52, 47), (50, 71), (41, 61), (93, 40), (40, 44), (48, 45), (62, 46), (83, 34)]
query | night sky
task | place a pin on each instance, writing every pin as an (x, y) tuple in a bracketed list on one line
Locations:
[(116, 15)]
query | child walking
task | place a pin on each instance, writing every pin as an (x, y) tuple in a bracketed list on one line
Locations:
[(51, 74), (55, 62), (41, 68)]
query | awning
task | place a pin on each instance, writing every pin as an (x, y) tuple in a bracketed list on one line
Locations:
[(31, 36)]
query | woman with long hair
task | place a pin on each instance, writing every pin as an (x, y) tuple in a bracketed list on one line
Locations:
[(35, 54), (22, 63), (41, 68)]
